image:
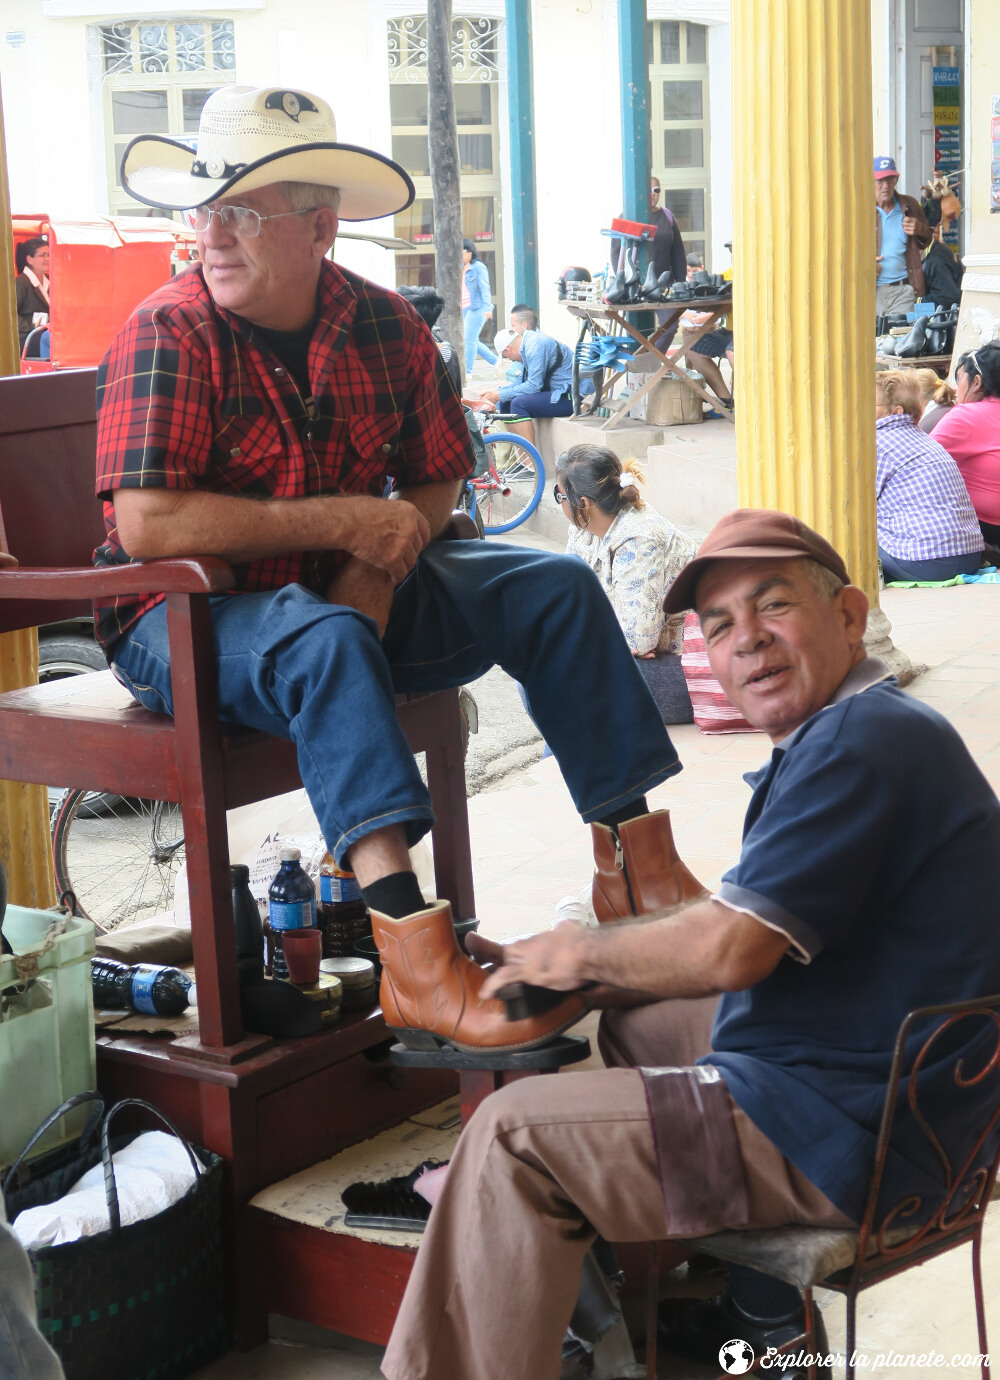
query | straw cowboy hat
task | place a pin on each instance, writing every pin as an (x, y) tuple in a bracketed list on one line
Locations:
[(250, 138)]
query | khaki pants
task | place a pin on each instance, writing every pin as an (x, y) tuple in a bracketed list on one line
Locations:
[(544, 1165), (894, 297)]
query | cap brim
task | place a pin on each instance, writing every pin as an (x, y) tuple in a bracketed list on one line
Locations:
[(680, 595), (157, 171), (886, 172)]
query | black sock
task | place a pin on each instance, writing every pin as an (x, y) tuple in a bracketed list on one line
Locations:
[(762, 1298), (630, 810), (396, 895)]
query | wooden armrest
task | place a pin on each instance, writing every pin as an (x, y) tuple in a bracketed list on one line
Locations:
[(207, 575)]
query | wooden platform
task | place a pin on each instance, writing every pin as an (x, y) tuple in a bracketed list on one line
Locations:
[(941, 364)]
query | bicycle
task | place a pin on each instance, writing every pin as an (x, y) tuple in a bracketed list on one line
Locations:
[(506, 485), (119, 862)]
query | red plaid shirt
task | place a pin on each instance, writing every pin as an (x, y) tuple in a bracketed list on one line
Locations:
[(188, 398)]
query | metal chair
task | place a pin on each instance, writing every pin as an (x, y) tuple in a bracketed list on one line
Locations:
[(851, 1261)]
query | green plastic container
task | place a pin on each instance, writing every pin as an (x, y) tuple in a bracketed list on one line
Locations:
[(47, 1050)]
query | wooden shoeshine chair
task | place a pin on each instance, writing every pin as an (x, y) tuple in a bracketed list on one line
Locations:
[(269, 1108)]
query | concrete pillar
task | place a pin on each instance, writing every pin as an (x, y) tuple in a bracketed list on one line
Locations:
[(523, 198), (803, 251), (24, 811)]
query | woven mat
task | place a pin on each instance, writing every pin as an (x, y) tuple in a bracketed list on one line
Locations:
[(313, 1196)]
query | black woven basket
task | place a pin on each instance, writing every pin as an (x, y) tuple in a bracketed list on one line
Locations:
[(141, 1302)]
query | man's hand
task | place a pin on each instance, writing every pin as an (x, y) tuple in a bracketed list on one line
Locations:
[(490, 396), (387, 534), (362, 587), (909, 225), (547, 960)]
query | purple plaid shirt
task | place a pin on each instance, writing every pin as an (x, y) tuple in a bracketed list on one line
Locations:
[(923, 507)]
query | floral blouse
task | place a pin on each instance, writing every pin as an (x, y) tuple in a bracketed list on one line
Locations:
[(639, 556)]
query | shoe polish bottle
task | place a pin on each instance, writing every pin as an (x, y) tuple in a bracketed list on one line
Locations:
[(247, 923)]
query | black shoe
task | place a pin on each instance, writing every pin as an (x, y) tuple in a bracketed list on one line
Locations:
[(699, 1331), (912, 345), (617, 292), (649, 282)]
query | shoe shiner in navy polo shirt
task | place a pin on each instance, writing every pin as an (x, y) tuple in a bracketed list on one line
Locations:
[(752, 1039)]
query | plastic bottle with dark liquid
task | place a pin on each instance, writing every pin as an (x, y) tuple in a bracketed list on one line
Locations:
[(292, 906)]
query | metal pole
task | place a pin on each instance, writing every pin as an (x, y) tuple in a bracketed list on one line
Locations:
[(520, 102), (636, 161)]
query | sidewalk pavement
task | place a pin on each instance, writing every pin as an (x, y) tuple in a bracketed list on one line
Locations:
[(530, 849)]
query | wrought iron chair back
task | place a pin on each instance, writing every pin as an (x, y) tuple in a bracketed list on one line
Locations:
[(968, 1185), (889, 1242)]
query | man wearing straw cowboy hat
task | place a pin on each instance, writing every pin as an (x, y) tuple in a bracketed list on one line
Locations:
[(253, 409)]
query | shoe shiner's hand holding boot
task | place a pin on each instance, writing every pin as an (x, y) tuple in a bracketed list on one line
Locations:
[(430, 991), (638, 871)]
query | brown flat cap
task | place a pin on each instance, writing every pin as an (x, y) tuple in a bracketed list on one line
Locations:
[(748, 534)]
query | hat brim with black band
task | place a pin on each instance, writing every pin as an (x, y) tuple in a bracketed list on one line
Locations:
[(249, 138), (751, 534)]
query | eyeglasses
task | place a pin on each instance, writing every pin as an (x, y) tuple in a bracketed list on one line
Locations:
[(558, 495), (239, 220)]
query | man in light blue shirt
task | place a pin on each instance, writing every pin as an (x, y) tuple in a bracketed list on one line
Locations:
[(543, 389), (901, 235)]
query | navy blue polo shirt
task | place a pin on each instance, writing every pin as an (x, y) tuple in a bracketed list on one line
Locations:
[(873, 842)]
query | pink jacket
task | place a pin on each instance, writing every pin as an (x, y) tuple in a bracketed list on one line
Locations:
[(971, 434)]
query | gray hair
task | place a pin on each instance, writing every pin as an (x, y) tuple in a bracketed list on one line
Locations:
[(826, 583), (303, 196)]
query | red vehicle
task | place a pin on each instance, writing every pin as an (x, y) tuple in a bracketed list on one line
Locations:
[(100, 268)]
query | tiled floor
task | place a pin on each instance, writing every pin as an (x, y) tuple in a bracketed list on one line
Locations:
[(530, 850)]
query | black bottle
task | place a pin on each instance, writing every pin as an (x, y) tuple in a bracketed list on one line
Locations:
[(150, 988), (249, 930)]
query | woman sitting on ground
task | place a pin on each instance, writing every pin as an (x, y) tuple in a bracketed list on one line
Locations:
[(937, 396), (971, 433), (636, 554), (927, 527)]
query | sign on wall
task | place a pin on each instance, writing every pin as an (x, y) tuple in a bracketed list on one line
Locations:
[(947, 131)]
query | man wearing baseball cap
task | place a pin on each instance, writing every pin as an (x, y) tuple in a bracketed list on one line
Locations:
[(901, 236), (543, 389), (753, 1035)]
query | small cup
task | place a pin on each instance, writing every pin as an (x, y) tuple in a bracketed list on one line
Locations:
[(303, 951)]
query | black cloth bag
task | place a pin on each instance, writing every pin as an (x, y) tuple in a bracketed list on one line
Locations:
[(134, 1302)]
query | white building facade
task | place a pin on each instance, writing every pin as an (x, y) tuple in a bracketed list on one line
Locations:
[(79, 80)]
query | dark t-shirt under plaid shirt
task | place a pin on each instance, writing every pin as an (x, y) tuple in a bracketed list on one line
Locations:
[(188, 398)]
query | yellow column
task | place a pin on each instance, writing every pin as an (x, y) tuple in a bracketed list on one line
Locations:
[(24, 813), (804, 289)]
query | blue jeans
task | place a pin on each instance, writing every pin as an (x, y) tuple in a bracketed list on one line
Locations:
[(472, 324), (24, 1352), (938, 568), (293, 665)]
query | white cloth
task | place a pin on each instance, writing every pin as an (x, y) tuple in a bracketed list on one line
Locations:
[(152, 1173), (636, 561), (40, 284)]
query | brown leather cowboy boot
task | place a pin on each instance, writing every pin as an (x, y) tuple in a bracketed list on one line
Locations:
[(430, 991), (639, 872)]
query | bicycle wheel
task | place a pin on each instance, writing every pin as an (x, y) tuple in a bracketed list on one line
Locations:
[(121, 864), (512, 490)]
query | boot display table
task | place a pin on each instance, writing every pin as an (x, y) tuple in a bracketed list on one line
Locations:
[(600, 320), (941, 364)]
